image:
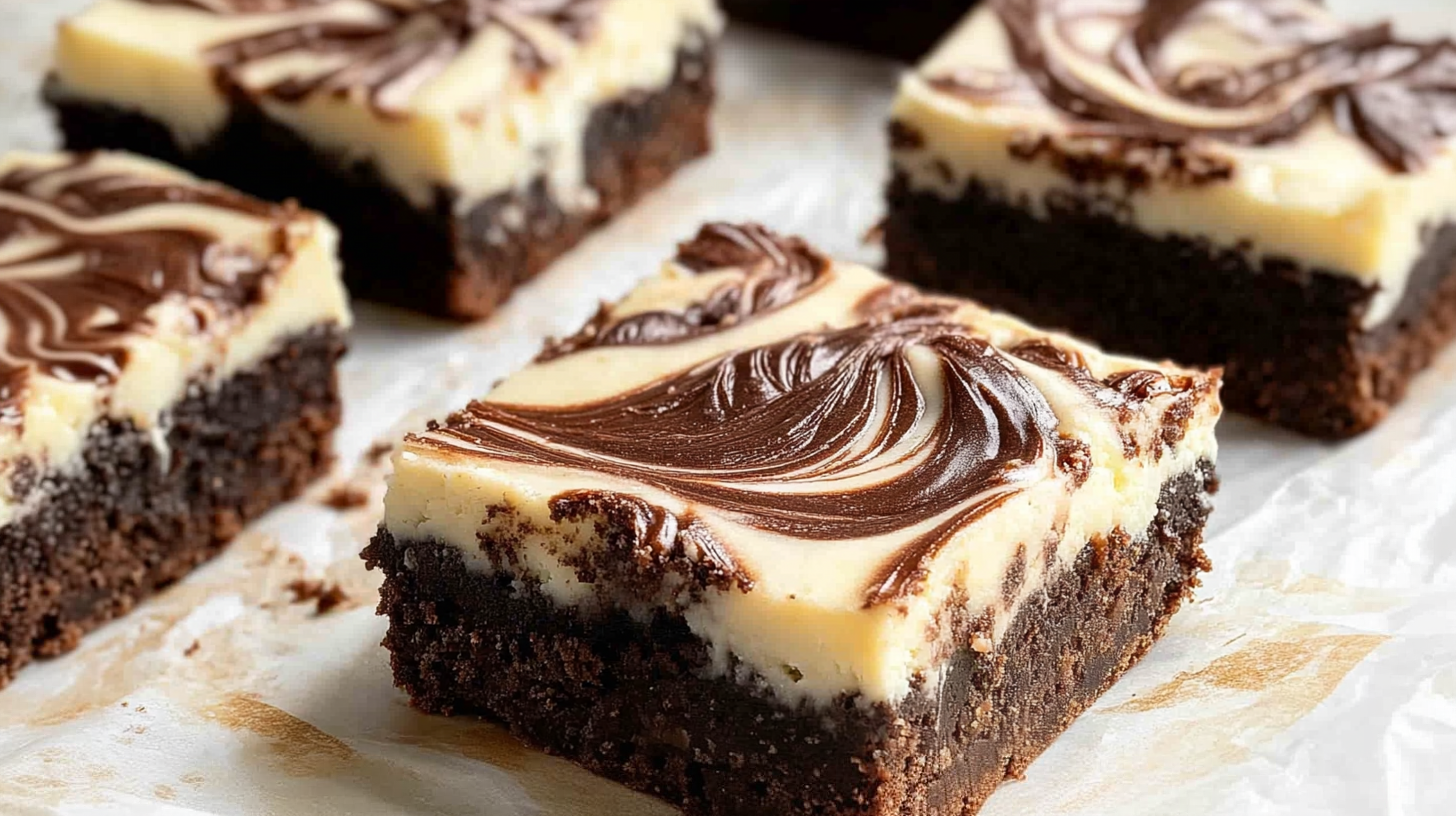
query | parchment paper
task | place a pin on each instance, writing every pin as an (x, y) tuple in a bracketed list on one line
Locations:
[(1316, 673)]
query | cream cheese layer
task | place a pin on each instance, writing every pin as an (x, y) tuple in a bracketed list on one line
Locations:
[(1270, 127), (814, 463), (476, 98), (124, 283)]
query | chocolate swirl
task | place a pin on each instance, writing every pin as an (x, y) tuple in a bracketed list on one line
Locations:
[(1397, 96), (73, 290), (799, 438), (406, 44), (776, 272)]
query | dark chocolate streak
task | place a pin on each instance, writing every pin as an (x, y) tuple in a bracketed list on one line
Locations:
[(73, 324), (407, 44), (778, 271), (1397, 96), (728, 432)]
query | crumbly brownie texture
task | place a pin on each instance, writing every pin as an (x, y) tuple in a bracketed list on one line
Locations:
[(1290, 339), (167, 352), (885, 28), (139, 516), (636, 701), (459, 266), (826, 494), (1109, 172)]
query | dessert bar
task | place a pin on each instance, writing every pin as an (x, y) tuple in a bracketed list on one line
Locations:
[(1253, 185), (166, 375), (777, 535), (899, 30), (460, 145)]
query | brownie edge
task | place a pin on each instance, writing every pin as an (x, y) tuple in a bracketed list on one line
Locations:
[(1291, 340), (131, 522), (432, 259), (636, 701)]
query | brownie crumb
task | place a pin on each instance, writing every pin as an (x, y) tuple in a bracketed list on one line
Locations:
[(905, 137), (326, 596), (346, 497), (378, 452), (331, 599)]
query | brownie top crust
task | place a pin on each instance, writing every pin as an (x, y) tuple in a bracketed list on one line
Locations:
[(123, 282), (806, 460), (1269, 125), (473, 97)]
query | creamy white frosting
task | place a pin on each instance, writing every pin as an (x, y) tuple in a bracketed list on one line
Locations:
[(481, 126), (1321, 198), (170, 353), (804, 628)]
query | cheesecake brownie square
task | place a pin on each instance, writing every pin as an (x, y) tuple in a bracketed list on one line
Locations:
[(1258, 186), (776, 535), (166, 375), (899, 30), (461, 146)]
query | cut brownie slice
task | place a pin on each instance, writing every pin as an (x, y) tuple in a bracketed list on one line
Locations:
[(460, 145), (899, 30), (166, 374), (1258, 186), (777, 535)]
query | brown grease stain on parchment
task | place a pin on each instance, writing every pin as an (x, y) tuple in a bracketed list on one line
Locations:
[(558, 787), (1312, 589), (1274, 668), (35, 789), (301, 749), (1239, 702)]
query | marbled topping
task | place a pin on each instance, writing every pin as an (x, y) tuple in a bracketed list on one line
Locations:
[(1242, 71), (810, 487), (734, 432), (904, 422), (386, 53), (87, 249), (778, 271)]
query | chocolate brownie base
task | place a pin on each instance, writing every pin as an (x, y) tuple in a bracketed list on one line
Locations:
[(1291, 339), (432, 260), (892, 29), (140, 516), (638, 701)]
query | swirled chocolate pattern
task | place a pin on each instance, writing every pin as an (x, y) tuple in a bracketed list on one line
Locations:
[(388, 54), (800, 438), (82, 262), (1289, 65), (775, 271)]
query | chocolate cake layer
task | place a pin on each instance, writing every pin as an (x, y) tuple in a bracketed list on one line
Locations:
[(433, 259), (893, 29), (1291, 339), (139, 515), (637, 701)]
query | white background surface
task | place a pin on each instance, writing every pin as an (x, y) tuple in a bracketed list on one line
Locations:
[(1316, 673)]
